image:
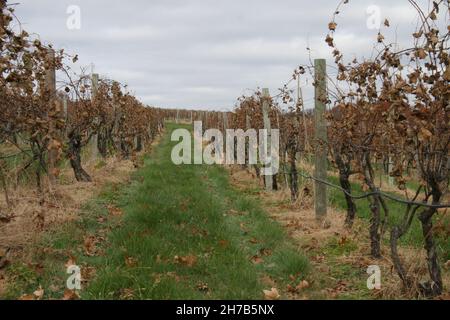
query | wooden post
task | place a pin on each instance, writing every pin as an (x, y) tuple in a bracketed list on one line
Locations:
[(320, 190), (225, 127), (390, 178), (65, 111), (248, 126), (65, 107), (50, 88), (267, 126), (94, 92)]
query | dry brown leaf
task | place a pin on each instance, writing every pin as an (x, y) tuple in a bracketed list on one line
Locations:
[(447, 265), (39, 293), (257, 260), (265, 252), (302, 285), (114, 211), (70, 295), (224, 244), (271, 294), (70, 262), (131, 262), (127, 294), (424, 134), (188, 261), (342, 241), (420, 53), (447, 74), (202, 286), (332, 26), (90, 245), (174, 276)]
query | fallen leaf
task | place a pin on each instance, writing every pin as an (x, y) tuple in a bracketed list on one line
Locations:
[(89, 245), (266, 280), (174, 276), (202, 286), (127, 294), (257, 260), (184, 206), (131, 262), (70, 295), (447, 264), (343, 241), (271, 294), (243, 227), (70, 262), (87, 273), (27, 297), (291, 289), (445, 297), (54, 288), (224, 244), (4, 258), (265, 252), (114, 211), (233, 212), (302, 285), (39, 293), (189, 261)]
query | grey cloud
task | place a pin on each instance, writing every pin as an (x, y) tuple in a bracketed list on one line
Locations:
[(205, 53)]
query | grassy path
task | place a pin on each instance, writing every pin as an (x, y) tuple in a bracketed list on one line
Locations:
[(176, 232)]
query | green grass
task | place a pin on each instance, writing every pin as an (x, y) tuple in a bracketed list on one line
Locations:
[(169, 211)]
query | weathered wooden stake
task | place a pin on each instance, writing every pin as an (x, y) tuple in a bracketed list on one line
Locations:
[(267, 126), (320, 190), (248, 126), (50, 87), (94, 92), (225, 127), (65, 107)]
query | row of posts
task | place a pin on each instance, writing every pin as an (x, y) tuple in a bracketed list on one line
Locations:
[(321, 139), (321, 99)]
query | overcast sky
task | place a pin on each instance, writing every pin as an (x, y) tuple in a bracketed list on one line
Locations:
[(203, 54)]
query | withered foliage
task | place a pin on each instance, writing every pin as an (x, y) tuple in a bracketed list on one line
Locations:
[(43, 121)]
